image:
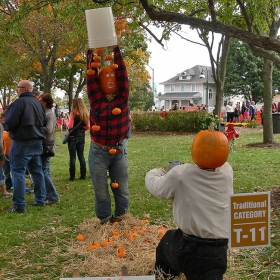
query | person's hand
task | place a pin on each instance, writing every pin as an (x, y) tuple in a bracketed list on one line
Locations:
[(2, 163)]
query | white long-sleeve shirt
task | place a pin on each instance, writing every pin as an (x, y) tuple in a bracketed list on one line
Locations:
[(200, 197)]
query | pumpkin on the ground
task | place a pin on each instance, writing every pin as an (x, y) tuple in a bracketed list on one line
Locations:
[(210, 149)]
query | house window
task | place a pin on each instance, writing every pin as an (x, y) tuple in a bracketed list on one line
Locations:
[(172, 88), (189, 77), (182, 87), (210, 93), (182, 77), (193, 86)]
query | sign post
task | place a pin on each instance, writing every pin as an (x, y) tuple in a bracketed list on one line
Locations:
[(249, 220)]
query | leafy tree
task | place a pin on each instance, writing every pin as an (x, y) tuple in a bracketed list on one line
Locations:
[(142, 99), (52, 40), (244, 73)]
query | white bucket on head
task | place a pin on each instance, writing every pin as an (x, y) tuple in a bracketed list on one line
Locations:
[(101, 28)]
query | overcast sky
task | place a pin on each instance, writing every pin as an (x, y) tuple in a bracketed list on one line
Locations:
[(178, 56)]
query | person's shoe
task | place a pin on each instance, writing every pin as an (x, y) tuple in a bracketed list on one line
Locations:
[(15, 209), (115, 219), (105, 220), (71, 179), (34, 203), (49, 202), (82, 178), (7, 194)]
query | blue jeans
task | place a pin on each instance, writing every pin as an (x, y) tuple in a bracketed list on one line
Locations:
[(174, 254), (76, 144), (2, 178), (7, 174), (23, 154), (100, 161), (52, 194)]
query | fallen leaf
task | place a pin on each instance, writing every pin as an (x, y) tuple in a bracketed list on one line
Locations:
[(266, 262)]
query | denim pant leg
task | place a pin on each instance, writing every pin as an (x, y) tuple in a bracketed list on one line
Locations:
[(50, 188), (98, 162), (118, 171), (18, 163), (36, 171), (2, 178), (80, 145), (7, 174)]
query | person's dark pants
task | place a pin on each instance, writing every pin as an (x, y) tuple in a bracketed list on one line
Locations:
[(230, 116), (76, 145), (175, 255)]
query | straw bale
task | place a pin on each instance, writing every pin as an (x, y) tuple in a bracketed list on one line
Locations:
[(104, 261)]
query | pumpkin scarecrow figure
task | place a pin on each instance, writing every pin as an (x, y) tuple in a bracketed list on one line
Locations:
[(108, 91), (231, 134), (199, 194)]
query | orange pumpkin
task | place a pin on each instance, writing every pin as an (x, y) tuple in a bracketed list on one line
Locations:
[(112, 151), (95, 64), (97, 58), (95, 127), (115, 231), (116, 111), (121, 252), (109, 57), (133, 236), (93, 246), (210, 149), (114, 185), (114, 66), (106, 242), (99, 50), (80, 237), (108, 80), (90, 72)]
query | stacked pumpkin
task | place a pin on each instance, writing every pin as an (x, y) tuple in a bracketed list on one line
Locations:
[(210, 148)]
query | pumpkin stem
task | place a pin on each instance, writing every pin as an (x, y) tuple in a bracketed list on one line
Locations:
[(211, 128)]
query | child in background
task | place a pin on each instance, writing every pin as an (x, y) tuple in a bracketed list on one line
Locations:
[(2, 178), (246, 115), (231, 134), (7, 141), (60, 123)]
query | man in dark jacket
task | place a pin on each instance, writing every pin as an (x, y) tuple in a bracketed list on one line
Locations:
[(25, 120)]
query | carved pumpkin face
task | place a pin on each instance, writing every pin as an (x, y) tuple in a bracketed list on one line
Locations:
[(108, 81)]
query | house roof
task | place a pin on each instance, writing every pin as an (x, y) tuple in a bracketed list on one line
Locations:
[(194, 74), (180, 95)]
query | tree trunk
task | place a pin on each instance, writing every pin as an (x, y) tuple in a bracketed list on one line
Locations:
[(267, 99), (221, 73)]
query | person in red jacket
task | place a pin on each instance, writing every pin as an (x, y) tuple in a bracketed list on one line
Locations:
[(231, 134)]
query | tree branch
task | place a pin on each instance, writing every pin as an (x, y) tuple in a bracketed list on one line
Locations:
[(264, 42)]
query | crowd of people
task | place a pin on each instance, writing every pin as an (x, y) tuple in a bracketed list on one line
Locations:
[(247, 111)]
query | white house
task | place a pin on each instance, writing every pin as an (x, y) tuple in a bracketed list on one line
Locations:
[(190, 87)]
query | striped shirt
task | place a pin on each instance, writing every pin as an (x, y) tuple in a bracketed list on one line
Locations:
[(114, 128)]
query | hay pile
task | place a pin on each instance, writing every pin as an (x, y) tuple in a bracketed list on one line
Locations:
[(138, 237)]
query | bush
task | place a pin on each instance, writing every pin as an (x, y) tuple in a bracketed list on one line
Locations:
[(179, 121)]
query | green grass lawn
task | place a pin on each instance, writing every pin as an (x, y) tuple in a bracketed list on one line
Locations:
[(34, 245)]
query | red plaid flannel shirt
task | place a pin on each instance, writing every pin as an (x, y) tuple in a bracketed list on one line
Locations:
[(114, 128)]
